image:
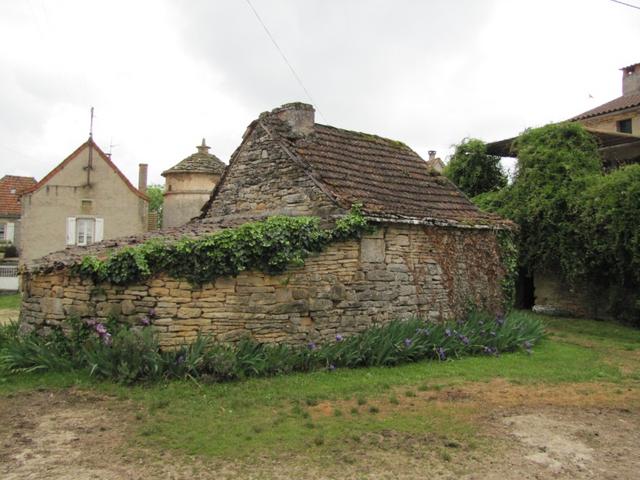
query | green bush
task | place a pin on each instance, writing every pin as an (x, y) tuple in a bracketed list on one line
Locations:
[(473, 170), (132, 354)]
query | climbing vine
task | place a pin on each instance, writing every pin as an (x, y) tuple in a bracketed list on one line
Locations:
[(270, 246), (573, 219), (509, 259)]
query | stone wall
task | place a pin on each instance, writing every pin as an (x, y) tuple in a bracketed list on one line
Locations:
[(554, 296), (263, 180), (399, 271)]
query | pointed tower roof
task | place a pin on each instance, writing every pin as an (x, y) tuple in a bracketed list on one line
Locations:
[(200, 162)]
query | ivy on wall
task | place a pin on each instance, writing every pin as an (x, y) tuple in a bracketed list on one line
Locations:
[(270, 246), (507, 241)]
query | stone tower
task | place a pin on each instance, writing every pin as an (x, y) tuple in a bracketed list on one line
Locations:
[(188, 186)]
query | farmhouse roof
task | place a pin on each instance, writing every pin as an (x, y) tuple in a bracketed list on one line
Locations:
[(624, 102), (88, 144), (200, 162), (11, 187), (390, 180)]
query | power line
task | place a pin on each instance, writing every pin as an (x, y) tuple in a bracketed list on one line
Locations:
[(284, 57), (621, 3)]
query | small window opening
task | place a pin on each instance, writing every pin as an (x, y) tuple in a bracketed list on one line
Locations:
[(624, 126)]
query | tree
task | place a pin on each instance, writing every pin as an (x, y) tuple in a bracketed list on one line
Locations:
[(156, 200), (473, 170)]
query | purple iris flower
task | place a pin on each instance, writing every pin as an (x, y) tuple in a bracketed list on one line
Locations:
[(145, 321), (311, 345), (447, 332), (101, 329), (106, 339), (464, 339), (180, 359), (441, 353), (407, 342), (331, 367), (339, 338)]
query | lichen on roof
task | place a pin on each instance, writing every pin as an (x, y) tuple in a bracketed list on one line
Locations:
[(200, 162)]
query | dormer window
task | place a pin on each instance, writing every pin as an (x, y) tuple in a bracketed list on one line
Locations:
[(624, 126)]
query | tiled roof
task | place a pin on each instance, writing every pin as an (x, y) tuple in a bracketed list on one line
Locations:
[(200, 162), (88, 143), (621, 103), (11, 187), (391, 180)]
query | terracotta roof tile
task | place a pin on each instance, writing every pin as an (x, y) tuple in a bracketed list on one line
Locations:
[(386, 176), (11, 187), (621, 103)]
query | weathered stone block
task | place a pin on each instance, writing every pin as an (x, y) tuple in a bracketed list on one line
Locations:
[(186, 312)]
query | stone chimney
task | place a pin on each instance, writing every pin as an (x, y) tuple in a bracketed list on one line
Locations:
[(299, 116), (631, 79), (432, 155), (142, 177)]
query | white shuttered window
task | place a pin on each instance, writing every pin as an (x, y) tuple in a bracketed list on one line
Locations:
[(84, 231)]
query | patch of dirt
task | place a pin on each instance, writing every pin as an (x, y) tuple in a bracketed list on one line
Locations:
[(526, 433)]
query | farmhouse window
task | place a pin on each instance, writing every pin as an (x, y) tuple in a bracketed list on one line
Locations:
[(624, 126), (84, 230), (7, 231)]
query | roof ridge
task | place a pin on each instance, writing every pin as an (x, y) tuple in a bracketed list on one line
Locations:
[(73, 155), (369, 136)]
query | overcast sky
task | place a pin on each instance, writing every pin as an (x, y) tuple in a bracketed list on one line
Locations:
[(162, 74)]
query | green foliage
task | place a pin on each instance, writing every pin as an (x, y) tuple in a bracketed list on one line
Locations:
[(270, 246), (573, 219), (509, 257), (156, 200), (10, 301), (473, 170), (132, 354)]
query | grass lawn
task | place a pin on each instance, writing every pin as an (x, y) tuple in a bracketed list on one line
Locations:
[(10, 301), (580, 361)]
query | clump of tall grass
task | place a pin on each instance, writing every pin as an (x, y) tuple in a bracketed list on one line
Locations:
[(132, 354)]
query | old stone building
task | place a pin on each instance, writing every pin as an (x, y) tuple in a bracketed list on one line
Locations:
[(83, 200), (432, 254), (188, 186)]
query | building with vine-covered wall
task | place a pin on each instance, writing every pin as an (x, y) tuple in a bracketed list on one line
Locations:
[(430, 251)]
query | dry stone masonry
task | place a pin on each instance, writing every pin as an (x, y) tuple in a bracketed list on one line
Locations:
[(433, 253)]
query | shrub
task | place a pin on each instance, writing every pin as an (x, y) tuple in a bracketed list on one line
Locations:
[(132, 354), (473, 170), (270, 246), (11, 251)]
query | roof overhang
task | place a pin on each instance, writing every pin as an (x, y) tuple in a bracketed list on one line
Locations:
[(614, 147)]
